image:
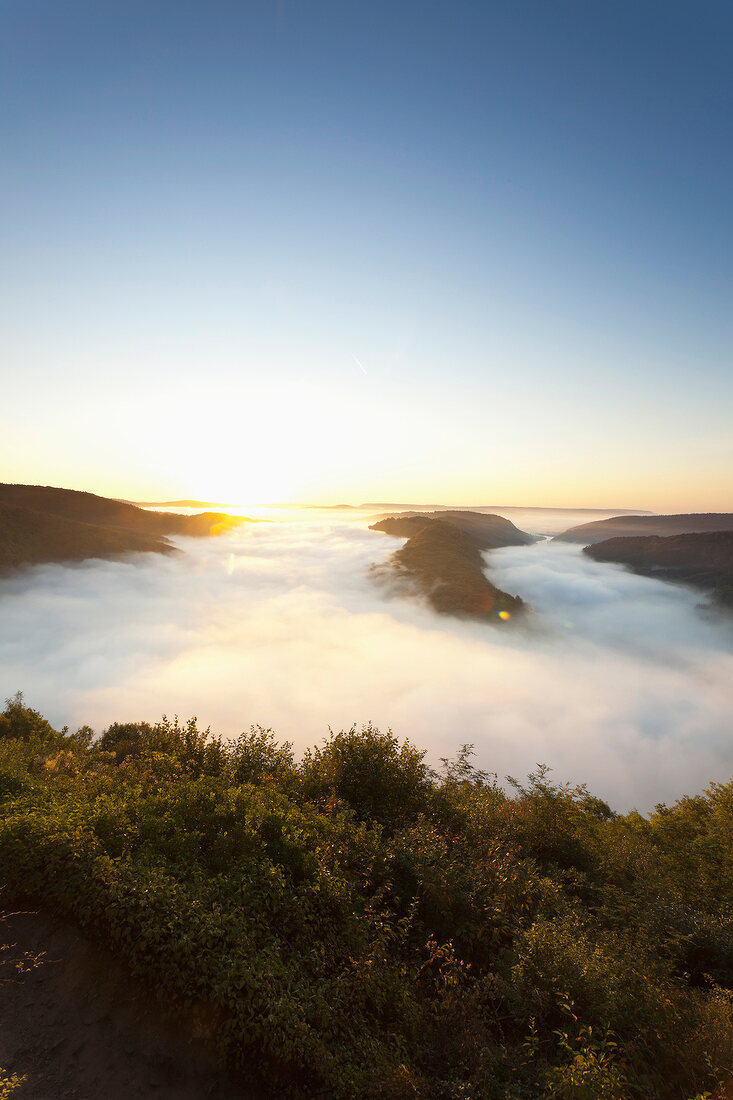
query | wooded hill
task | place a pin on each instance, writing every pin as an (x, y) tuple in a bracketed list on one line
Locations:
[(28, 537), (46, 524), (487, 531), (632, 526), (704, 560), (442, 561)]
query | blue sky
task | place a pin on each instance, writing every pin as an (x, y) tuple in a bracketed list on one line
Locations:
[(435, 252)]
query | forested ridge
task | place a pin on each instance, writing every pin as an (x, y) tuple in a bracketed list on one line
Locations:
[(443, 563), (630, 526), (41, 524), (359, 925), (703, 559)]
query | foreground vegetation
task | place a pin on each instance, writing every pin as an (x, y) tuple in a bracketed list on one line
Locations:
[(354, 925)]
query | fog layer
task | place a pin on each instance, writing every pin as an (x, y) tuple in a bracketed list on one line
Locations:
[(617, 681)]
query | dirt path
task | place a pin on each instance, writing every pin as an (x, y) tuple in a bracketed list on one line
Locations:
[(81, 1029)]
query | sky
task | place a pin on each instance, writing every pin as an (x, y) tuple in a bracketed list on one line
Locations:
[(324, 252)]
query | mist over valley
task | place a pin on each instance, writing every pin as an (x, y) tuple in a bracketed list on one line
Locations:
[(615, 680)]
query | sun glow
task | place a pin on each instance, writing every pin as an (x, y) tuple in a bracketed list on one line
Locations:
[(244, 488), (255, 449)]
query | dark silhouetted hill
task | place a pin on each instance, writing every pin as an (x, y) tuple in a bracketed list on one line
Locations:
[(41, 523), (445, 564), (662, 526), (704, 559), (105, 512), (487, 531), (32, 538)]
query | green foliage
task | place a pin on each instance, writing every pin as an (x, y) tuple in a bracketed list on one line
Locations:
[(381, 779), (19, 722), (355, 925), (256, 756), (183, 746), (127, 739)]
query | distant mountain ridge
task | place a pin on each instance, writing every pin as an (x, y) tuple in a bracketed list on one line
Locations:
[(497, 509), (638, 525), (177, 503)]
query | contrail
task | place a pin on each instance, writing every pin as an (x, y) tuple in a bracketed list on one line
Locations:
[(359, 364)]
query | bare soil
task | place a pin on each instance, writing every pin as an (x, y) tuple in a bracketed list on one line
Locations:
[(81, 1028)]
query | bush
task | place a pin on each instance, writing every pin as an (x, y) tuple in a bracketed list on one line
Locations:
[(358, 926), (381, 779), (19, 722)]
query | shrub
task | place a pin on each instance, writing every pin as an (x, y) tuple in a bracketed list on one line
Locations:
[(20, 722), (381, 779), (359, 926)]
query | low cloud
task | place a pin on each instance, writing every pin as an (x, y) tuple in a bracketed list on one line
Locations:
[(617, 681)]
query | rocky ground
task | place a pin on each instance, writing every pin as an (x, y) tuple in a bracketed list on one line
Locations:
[(78, 1027)]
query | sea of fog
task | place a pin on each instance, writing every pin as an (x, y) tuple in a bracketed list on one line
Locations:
[(617, 681)]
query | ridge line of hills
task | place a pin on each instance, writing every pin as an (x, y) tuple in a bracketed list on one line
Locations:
[(683, 523), (442, 557), (701, 559), (40, 524), (694, 548), (176, 503), (391, 507)]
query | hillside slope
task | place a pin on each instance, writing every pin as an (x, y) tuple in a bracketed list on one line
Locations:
[(28, 537), (488, 531), (704, 559), (445, 564), (662, 526), (77, 1026), (72, 504)]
